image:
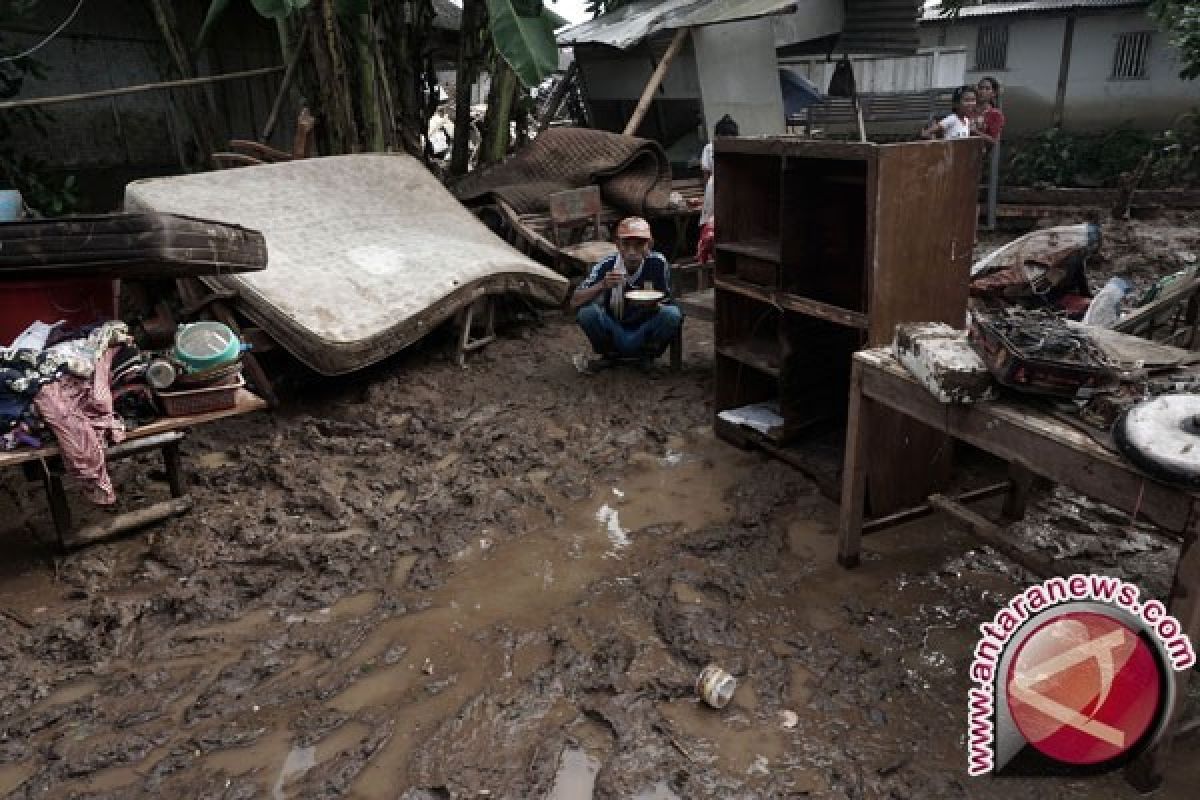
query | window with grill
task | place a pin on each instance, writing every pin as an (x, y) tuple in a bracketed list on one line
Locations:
[(991, 48), (1129, 58)]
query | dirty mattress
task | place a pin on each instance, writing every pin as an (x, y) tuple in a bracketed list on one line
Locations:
[(368, 253), (136, 246)]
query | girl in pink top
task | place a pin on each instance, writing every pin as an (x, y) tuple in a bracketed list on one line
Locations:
[(990, 121)]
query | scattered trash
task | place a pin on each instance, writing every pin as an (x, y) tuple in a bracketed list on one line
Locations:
[(762, 417), (943, 361), (609, 517), (1161, 436), (1105, 308), (1036, 351), (1046, 268), (789, 719), (716, 686)]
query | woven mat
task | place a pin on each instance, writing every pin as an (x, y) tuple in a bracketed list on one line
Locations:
[(634, 174)]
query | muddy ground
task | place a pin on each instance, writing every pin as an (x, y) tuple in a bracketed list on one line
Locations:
[(501, 581)]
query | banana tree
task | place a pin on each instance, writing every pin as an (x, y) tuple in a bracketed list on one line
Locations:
[(352, 120), (515, 39)]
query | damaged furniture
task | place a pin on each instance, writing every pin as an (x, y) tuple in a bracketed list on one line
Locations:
[(824, 247), (1035, 444), (571, 212), (369, 253), (164, 435)]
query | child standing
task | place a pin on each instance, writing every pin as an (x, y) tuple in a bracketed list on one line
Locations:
[(960, 124)]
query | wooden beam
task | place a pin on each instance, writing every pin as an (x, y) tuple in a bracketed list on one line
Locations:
[(131, 520), (983, 530), (656, 79), (924, 510), (1064, 70), (141, 87)]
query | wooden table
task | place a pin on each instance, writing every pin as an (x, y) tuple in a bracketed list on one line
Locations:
[(164, 435), (1034, 444)]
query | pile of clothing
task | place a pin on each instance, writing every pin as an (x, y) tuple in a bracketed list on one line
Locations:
[(76, 388)]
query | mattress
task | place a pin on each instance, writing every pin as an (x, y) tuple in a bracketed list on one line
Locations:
[(134, 246), (368, 252)]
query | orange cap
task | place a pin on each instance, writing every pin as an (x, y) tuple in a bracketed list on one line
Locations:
[(634, 228)]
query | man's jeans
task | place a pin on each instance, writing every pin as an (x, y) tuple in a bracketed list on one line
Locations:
[(648, 340)]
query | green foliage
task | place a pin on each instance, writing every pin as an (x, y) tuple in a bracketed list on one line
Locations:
[(273, 9), (525, 40), (28, 175), (1056, 158), (1181, 20)]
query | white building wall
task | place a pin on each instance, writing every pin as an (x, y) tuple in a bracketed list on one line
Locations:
[(1093, 100), (1030, 81), (1096, 100), (739, 76)]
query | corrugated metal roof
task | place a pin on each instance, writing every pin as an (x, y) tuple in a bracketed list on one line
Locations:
[(628, 25), (933, 10)]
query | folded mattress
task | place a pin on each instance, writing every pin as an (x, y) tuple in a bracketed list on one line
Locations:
[(134, 246), (368, 252)]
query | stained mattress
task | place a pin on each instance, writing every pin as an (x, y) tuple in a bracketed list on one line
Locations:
[(368, 253), (137, 246)]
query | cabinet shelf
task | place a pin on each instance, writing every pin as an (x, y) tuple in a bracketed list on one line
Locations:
[(763, 249), (760, 355), (825, 311), (794, 303), (744, 288)]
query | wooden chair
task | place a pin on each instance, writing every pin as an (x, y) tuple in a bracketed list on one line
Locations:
[(571, 212), (246, 153)]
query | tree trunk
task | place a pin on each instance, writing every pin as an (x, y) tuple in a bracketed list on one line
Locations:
[(369, 85), (407, 29), (495, 123), (329, 89), (471, 41), (341, 108)]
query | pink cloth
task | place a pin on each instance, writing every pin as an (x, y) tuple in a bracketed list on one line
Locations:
[(80, 412)]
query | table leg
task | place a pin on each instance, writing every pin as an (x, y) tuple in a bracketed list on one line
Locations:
[(1146, 772), (1021, 482), (173, 465), (854, 475), (60, 511)]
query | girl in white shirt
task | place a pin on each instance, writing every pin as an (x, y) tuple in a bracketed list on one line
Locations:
[(960, 124)]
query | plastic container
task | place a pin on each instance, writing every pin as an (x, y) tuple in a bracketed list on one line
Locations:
[(201, 401), (203, 346), (1105, 308), (79, 302), (716, 686), (11, 205)]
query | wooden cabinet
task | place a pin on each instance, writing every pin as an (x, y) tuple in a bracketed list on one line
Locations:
[(822, 248)]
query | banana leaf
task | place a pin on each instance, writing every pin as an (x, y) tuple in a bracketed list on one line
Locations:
[(266, 8), (523, 33)]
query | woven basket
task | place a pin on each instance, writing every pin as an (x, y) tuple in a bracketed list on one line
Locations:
[(201, 401)]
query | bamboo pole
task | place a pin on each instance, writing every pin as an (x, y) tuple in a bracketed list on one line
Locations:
[(142, 87), (293, 61), (656, 79)]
